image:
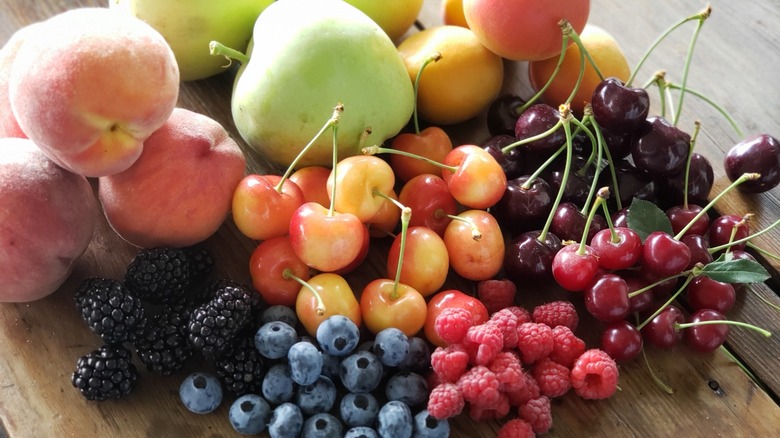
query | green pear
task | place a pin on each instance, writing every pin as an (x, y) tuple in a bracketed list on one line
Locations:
[(305, 58), (190, 25)]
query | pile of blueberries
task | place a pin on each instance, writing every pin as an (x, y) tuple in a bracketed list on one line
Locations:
[(331, 386)]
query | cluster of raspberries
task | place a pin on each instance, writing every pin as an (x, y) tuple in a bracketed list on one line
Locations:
[(516, 361)]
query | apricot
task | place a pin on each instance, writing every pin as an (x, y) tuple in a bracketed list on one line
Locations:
[(47, 218), (89, 85), (179, 191), (460, 85), (607, 55), (452, 13)]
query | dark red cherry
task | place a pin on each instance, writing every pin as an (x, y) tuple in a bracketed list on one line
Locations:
[(618, 108), (659, 147), (680, 216), (756, 154), (577, 185), (528, 259), (721, 228), (699, 246), (705, 293), (523, 209), (620, 217), (510, 162), (700, 180), (705, 338), (661, 331), (619, 145), (663, 255), (568, 223), (622, 341), (642, 301), (502, 114), (607, 298), (536, 120), (622, 253), (632, 183)]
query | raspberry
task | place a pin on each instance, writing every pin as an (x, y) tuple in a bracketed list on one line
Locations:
[(493, 411), (509, 370), (553, 378), (557, 313), (450, 362), (522, 314), (479, 386), (507, 322), (445, 401), (594, 375), (496, 294), (527, 392), (516, 428), (452, 324), (538, 413), (489, 341), (567, 347), (534, 340)]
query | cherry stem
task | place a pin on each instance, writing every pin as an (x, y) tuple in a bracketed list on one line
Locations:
[(289, 275), (600, 137), (332, 208), (433, 57), (332, 122), (599, 151), (364, 136), (744, 239), (698, 16), (218, 49), (762, 251), (613, 235), (712, 103), (475, 233), (689, 56), (738, 181), (580, 75), (694, 136), (685, 325), (659, 79), (652, 285), (666, 388), (601, 196), (544, 134), (527, 184), (564, 43), (583, 53), (693, 273), (406, 215), (742, 366), (564, 118), (374, 150)]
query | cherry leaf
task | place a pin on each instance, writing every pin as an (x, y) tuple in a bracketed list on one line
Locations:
[(644, 217), (735, 271)]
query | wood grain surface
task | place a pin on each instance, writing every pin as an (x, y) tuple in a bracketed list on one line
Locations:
[(735, 63)]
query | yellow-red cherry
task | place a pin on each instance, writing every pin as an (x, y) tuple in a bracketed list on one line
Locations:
[(385, 303)]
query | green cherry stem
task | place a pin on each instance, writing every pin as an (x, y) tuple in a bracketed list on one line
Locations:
[(331, 123), (762, 251), (406, 215), (584, 52), (661, 384), (289, 275), (218, 49), (564, 43), (527, 185), (709, 101), (580, 75), (684, 325), (602, 195), (692, 144), (689, 56), (374, 150), (691, 275), (738, 181), (610, 163), (475, 233), (544, 134), (565, 119), (332, 208), (599, 152), (744, 239), (433, 57), (652, 285)]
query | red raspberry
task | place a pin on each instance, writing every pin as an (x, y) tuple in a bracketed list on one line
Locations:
[(489, 341), (452, 324), (479, 386), (527, 392), (534, 340), (567, 347), (553, 378), (494, 411), (496, 294), (507, 322), (594, 375), (516, 428), (557, 313), (522, 314), (509, 370), (445, 401), (538, 413), (450, 362)]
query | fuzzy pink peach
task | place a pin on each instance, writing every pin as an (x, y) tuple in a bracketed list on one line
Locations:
[(9, 127)]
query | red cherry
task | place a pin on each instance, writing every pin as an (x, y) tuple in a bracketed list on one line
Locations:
[(607, 298), (705, 337), (431, 202), (663, 255), (722, 226), (620, 253), (661, 331), (622, 341), (573, 270), (705, 293), (680, 216)]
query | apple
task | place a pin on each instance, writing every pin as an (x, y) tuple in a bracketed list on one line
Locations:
[(190, 25), (394, 17)]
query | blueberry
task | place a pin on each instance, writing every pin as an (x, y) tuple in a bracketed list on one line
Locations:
[(305, 363), (278, 386), (428, 426), (330, 367), (360, 372), (274, 339), (279, 313), (338, 335), (249, 414), (201, 393), (358, 409), (394, 420), (286, 421), (322, 426), (361, 432), (419, 356), (318, 397), (391, 346), (410, 388)]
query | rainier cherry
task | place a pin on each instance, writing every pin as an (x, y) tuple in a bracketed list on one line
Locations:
[(270, 266), (324, 295), (264, 204), (475, 244)]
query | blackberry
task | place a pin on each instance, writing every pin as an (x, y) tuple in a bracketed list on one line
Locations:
[(240, 367), (105, 374), (162, 275), (215, 323), (164, 347), (110, 310)]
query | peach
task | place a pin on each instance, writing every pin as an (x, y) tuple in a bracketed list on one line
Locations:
[(47, 219), (89, 85), (9, 127), (179, 191)]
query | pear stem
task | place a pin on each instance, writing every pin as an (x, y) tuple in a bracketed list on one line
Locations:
[(218, 49), (289, 275)]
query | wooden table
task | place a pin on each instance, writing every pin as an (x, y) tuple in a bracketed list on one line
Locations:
[(736, 64)]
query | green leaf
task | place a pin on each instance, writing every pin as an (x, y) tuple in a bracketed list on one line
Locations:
[(645, 217), (735, 271)]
